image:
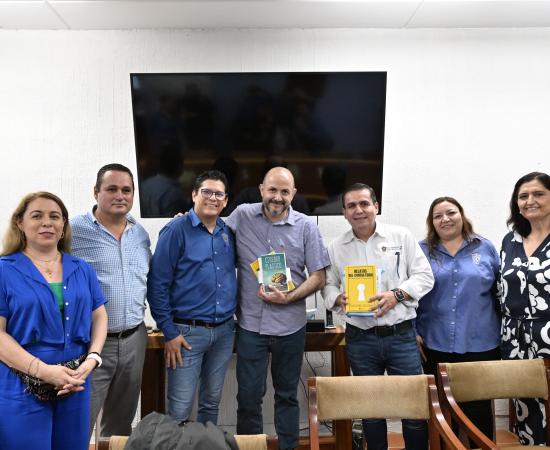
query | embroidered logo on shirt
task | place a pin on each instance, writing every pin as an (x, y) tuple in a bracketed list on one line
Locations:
[(476, 258), (225, 238)]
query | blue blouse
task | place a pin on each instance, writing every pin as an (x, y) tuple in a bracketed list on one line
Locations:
[(30, 307), (460, 314)]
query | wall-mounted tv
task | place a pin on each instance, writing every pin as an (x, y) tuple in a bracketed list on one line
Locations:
[(326, 127)]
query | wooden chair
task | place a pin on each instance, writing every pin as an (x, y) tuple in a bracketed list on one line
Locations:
[(245, 442), (257, 442), (112, 443), (389, 397), (489, 380)]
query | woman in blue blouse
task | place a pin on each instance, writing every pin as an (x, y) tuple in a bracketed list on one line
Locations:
[(458, 320), (51, 312), (525, 282)]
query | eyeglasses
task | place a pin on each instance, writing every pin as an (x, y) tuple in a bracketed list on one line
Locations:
[(208, 193)]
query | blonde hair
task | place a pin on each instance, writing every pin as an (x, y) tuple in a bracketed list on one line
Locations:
[(14, 239)]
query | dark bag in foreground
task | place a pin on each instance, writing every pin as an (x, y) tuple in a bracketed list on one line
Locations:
[(46, 391), (160, 432)]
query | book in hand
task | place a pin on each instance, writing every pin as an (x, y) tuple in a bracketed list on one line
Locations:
[(274, 272), (360, 286)]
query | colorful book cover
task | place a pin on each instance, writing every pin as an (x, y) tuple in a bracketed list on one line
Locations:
[(274, 272), (360, 285)]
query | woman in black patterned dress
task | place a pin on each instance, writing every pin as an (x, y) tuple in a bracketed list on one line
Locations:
[(525, 279)]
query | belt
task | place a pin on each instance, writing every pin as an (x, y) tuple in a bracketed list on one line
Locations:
[(124, 334), (200, 323), (389, 330)]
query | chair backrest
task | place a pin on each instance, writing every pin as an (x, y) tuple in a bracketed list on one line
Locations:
[(244, 441), (363, 397), (256, 442), (372, 397), (116, 443), (486, 380)]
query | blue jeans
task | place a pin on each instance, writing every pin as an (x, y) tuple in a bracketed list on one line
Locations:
[(286, 364), (207, 361), (398, 354)]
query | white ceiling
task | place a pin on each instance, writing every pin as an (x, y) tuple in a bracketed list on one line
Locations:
[(135, 14)]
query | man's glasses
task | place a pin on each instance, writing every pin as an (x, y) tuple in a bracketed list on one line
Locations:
[(208, 193)]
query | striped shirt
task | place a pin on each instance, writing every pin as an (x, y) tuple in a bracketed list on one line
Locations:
[(121, 266)]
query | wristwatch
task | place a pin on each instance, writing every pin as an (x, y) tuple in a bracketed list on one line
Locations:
[(96, 357), (399, 295)]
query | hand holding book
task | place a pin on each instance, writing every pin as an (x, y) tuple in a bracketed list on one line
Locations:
[(341, 301), (274, 295), (383, 303)]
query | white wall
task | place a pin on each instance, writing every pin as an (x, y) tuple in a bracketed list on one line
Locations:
[(467, 110)]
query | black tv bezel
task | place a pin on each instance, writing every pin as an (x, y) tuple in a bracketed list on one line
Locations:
[(383, 126)]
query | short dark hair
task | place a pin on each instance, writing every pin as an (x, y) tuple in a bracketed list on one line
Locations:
[(519, 223), (358, 187), (215, 175), (432, 238), (114, 167)]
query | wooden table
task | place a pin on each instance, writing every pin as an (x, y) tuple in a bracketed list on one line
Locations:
[(153, 386)]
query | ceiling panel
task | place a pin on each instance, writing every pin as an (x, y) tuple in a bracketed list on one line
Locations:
[(135, 14), (481, 14), (234, 14), (28, 15)]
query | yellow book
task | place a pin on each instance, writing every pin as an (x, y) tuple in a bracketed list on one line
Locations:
[(360, 285)]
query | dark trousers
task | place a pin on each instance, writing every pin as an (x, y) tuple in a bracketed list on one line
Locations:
[(286, 364), (479, 412)]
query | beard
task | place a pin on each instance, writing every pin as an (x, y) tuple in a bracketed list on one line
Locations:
[(274, 209)]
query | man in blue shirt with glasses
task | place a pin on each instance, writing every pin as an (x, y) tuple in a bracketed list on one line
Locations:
[(192, 292)]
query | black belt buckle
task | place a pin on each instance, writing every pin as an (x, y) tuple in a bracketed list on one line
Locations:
[(391, 330), (384, 331), (124, 333), (200, 323)]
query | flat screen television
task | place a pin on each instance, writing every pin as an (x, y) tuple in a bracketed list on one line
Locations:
[(326, 127)]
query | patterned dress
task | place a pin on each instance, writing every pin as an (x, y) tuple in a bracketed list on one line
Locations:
[(526, 321)]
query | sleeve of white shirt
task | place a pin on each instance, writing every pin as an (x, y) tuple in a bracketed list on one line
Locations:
[(332, 287), (420, 278)]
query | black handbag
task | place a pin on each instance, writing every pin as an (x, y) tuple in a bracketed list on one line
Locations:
[(46, 391)]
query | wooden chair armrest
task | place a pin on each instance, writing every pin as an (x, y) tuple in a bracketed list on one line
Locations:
[(272, 443), (312, 409), (438, 425), (451, 409), (103, 443)]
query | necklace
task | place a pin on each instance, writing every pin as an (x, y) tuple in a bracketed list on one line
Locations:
[(45, 267), (30, 255)]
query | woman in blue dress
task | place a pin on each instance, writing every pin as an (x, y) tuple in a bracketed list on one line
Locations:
[(459, 319), (525, 279), (51, 312)]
